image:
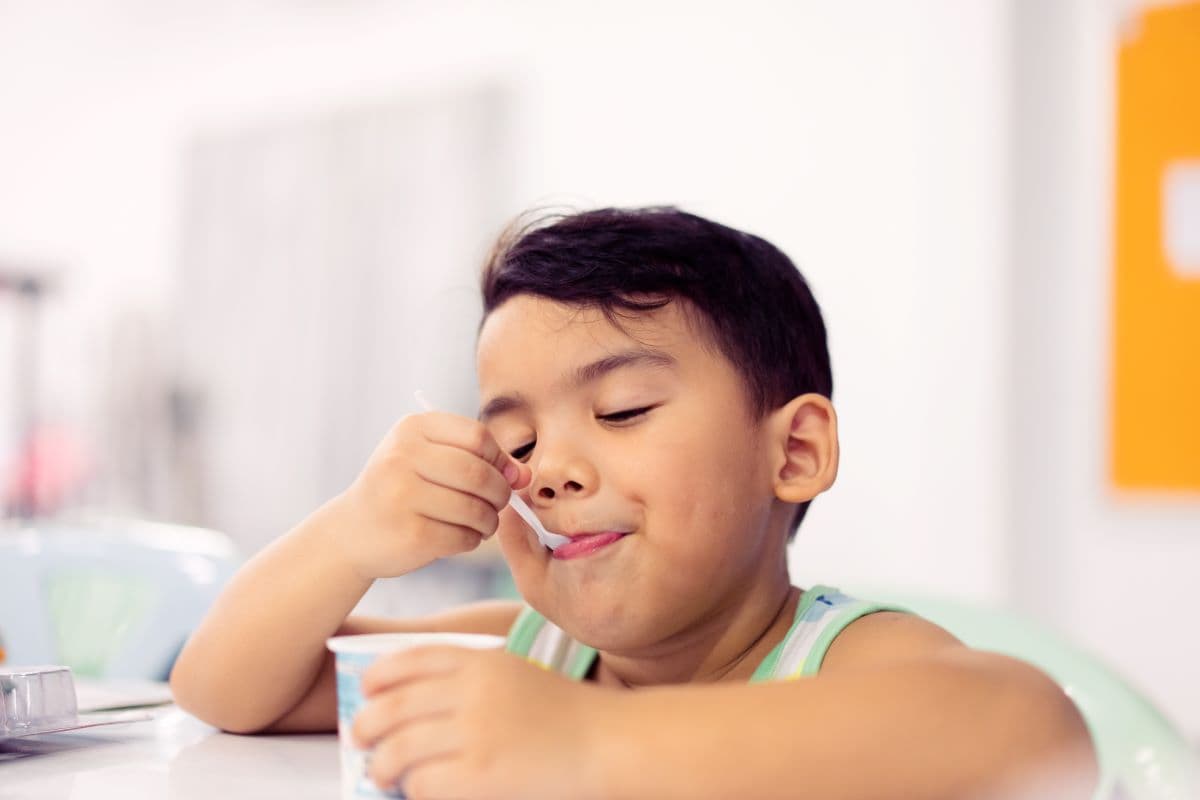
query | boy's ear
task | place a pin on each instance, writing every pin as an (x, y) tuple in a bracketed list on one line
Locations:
[(804, 445)]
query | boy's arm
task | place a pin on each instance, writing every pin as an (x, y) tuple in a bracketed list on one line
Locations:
[(433, 488), (261, 645), (895, 713)]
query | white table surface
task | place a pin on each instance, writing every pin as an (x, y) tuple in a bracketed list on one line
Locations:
[(174, 757)]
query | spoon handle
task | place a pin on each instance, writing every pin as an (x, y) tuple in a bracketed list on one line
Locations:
[(551, 540)]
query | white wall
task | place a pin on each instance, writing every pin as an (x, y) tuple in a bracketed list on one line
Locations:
[(867, 140), (1117, 571), (869, 143), (101, 102)]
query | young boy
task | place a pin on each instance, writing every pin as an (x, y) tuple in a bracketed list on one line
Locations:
[(657, 388)]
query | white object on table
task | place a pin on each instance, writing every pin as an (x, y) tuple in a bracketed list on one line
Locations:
[(173, 756), (37, 700), (112, 695)]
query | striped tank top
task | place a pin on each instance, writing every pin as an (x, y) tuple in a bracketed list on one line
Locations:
[(821, 614)]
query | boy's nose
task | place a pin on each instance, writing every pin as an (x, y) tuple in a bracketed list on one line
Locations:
[(559, 475), (548, 492)]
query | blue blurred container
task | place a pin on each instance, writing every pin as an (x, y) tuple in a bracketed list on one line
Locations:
[(114, 599)]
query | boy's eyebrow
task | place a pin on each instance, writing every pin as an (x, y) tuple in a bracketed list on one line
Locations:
[(588, 373), (641, 356)]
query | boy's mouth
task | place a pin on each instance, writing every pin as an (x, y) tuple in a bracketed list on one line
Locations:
[(586, 543)]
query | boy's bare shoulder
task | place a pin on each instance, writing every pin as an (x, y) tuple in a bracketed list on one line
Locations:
[(489, 616), (888, 636)]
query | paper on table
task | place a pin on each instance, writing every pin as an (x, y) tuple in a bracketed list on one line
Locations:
[(112, 695)]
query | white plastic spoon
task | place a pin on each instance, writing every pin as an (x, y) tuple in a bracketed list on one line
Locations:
[(550, 540)]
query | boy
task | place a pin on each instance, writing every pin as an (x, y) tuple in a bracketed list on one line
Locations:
[(657, 387)]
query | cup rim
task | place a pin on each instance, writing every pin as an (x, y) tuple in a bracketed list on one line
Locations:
[(368, 643)]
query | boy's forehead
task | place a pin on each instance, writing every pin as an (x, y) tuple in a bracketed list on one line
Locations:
[(566, 332), (529, 345)]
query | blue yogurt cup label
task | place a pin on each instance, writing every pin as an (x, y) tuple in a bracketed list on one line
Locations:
[(354, 654), (356, 783)]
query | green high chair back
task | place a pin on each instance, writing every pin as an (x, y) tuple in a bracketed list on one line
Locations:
[(1142, 754), (111, 599)]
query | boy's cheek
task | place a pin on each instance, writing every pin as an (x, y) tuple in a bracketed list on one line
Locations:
[(518, 544), (527, 560)]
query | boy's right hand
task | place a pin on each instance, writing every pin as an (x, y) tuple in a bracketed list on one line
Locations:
[(434, 487)]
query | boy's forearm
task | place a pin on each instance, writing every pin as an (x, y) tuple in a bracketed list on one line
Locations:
[(261, 645), (919, 730)]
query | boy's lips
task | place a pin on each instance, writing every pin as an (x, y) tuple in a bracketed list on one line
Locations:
[(586, 543)]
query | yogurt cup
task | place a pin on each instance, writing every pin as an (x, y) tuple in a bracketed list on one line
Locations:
[(352, 655)]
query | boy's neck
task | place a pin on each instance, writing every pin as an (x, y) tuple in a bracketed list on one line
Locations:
[(725, 647)]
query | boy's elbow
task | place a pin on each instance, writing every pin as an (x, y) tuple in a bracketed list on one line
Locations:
[(227, 718), (208, 703), (1059, 754), (183, 687), (1073, 741)]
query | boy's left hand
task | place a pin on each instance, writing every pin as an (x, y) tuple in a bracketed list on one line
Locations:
[(457, 722)]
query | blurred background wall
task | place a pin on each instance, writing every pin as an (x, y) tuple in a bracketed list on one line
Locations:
[(259, 225)]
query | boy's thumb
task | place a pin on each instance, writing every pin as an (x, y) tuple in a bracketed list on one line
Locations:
[(517, 474)]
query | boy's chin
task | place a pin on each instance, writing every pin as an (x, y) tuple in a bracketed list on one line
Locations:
[(614, 628)]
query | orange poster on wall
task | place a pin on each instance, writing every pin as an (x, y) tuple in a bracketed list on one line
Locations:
[(1155, 422)]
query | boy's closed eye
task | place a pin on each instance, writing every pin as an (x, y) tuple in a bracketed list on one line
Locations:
[(615, 418)]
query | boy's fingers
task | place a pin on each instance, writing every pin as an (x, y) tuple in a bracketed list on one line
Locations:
[(396, 706), (461, 509), (400, 759), (524, 475), (457, 469), (411, 665), (470, 435), (451, 539)]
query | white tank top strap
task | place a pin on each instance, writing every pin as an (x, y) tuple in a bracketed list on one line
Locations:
[(543, 643), (823, 613)]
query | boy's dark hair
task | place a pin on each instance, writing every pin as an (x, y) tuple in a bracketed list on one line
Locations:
[(755, 304)]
